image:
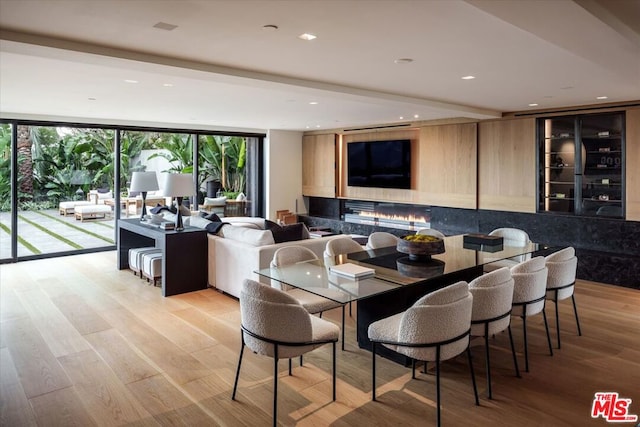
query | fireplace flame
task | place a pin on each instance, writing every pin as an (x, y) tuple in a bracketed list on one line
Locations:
[(394, 217)]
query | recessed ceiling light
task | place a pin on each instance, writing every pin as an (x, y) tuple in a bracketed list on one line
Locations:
[(403, 61), (602, 97), (167, 84), (317, 126), (401, 117), (270, 27), (533, 104), (308, 127), (313, 103), (307, 36), (165, 26), (415, 116), (468, 77), (131, 81)]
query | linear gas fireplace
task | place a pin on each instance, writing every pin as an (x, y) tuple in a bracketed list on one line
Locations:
[(390, 215)]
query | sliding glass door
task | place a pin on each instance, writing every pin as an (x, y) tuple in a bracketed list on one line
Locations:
[(59, 193)]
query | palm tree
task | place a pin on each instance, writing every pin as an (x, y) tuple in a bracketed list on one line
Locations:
[(25, 162)]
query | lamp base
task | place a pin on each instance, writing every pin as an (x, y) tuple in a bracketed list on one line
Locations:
[(144, 206), (179, 223)]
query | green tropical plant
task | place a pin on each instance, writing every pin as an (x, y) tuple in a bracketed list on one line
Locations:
[(223, 158), (62, 165), (178, 152), (5, 167)]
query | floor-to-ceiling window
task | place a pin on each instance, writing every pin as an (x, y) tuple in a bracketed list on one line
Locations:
[(69, 186)]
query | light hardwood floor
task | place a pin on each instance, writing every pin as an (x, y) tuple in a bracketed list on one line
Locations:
[(85, 344)]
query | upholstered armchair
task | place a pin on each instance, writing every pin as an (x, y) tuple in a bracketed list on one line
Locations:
[(315, 304), (491, 314), (529, 290), (275, 325), (561, 281), (435, 328)]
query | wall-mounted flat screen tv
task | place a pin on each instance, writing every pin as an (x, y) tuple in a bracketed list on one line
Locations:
[(384, 164)]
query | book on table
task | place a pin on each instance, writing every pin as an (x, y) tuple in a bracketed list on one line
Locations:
[(352, 271)]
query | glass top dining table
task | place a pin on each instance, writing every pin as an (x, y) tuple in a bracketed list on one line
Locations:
[(392, 269)]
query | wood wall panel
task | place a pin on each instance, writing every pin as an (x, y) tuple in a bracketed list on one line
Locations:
[(633, 165), (447, 165), (318, 165), (507, 165)]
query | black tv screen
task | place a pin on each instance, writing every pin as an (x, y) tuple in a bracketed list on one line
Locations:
[(384, 164)]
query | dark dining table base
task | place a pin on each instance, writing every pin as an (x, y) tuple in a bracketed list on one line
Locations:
[(398, 300)]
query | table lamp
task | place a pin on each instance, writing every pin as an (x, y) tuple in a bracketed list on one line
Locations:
[(143, 182), (179, 185)]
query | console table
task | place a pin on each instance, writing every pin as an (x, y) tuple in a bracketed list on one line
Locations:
[(184, 253)]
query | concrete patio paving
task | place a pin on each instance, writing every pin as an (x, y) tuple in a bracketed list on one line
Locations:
[(46, 231)]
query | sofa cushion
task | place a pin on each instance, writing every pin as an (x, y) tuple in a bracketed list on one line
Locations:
[(246, 235)]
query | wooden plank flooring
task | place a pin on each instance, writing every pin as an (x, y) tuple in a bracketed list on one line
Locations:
[(82, 343)]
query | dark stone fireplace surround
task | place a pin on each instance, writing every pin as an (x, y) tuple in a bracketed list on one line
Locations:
[(608, 250)]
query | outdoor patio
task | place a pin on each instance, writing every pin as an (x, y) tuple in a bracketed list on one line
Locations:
[(46, 231)]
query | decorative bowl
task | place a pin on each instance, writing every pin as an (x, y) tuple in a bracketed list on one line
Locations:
[(420, 247)]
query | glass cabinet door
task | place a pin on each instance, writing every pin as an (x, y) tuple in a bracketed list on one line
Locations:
[(602, 174), (557, 164), (581, 165)]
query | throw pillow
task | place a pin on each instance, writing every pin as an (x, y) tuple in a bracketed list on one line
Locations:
[(270, 225), (210, 216), (214, 227), (215, 201), (288, 233)]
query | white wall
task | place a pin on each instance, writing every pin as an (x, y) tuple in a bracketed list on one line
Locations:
[(283, 172)]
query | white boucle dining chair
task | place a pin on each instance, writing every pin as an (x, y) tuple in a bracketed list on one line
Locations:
[(491, 314), (529, 291), (274, 324), (431, 232), (381, 239), (434, 329), (561, 281), (511, 237), (314, 303), (341, 246)]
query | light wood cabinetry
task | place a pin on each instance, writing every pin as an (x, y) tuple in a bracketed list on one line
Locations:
[(507, 165), (447, 165), (318, 165), (633, 165)]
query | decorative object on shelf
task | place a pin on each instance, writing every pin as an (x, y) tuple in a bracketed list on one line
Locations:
[(179, 185), (144, 182), (420, 246)]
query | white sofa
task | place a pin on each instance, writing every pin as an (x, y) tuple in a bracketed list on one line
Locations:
[(237, 251)]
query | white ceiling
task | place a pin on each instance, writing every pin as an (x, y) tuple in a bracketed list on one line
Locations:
[(69, 59)]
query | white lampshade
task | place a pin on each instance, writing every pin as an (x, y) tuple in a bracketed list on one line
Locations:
[(179, 185), (144, 181)]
